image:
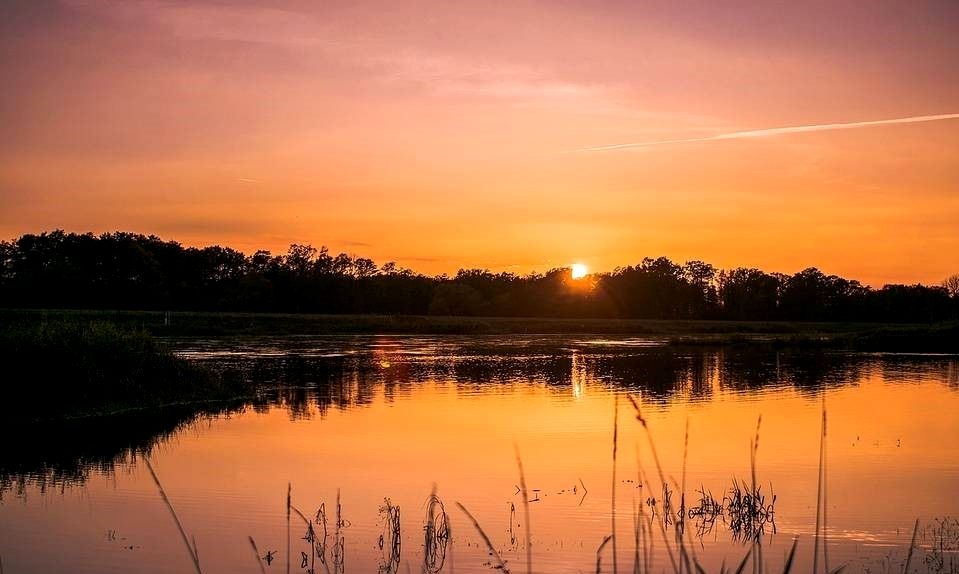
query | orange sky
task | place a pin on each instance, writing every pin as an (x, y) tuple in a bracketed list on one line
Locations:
[(442, 135)]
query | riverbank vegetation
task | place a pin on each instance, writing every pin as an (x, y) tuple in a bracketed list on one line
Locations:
[(68, 368), (940, 337)]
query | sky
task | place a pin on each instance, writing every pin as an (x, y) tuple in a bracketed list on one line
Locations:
[(515, 136)]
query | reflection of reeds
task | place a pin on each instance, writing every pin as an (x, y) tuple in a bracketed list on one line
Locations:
[(194, 557), (436, 534), (311, 536), (747, 512), (339, 541), (391, 540)]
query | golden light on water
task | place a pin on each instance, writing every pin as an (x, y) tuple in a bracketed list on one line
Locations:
[(578, 270)]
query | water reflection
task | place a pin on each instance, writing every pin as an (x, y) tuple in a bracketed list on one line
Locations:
[(309, 377), (55, 455), (314, 374), (384, 418)]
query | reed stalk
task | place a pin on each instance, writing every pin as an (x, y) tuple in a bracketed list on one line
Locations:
[(529, 536), (191, 550)]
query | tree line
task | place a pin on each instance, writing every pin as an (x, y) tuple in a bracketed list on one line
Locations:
[(131, 271)]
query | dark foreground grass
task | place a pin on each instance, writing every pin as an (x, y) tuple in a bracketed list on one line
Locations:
[(942, 337), (69, 368)]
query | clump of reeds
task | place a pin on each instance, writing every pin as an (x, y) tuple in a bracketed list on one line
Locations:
[(316, 536), (706, 512), (942, 539), (747, 511)]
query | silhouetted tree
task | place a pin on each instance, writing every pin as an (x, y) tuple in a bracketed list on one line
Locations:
[(129, 271), (951, 284), (749, 294)]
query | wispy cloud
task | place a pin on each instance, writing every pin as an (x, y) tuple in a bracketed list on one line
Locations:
[(765, 132)]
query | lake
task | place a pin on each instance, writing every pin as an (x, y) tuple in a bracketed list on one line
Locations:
[(362, 430)]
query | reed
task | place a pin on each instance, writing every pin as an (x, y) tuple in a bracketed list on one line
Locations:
[(191, 550), (788, 564), (256, 554), (527, 529), (819, 491), (662, 476), (500, 563), (599, 552), (612, 514), (289, 543), (912, 545), (317, 546)]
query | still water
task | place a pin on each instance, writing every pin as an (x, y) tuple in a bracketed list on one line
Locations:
[(378, 423)]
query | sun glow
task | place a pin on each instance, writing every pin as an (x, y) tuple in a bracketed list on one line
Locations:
[(578, 270)]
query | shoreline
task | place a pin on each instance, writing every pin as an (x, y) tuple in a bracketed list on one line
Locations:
[(892, 337)]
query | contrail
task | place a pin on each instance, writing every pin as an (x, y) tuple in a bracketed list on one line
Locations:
[(773, 132)]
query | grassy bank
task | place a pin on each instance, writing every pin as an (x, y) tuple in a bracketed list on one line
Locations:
[(942, 337), (72, 368)]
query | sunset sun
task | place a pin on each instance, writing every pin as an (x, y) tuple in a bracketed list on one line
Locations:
[(578, 270)]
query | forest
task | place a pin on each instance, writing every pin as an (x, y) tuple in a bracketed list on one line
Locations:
[(122, 270)]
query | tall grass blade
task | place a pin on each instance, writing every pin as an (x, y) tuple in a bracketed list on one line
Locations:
[(822, 442), (500, 563), (742, 565), (788, 565), (289, 543), (156, 480), (757, 538), (662, 476), (825, 488), (612, 514), (912, 546), (599, 555), (256, 554), (529, 536)]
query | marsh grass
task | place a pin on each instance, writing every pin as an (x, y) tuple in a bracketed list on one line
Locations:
[(746, 510), (942, 337), (69, 369)]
